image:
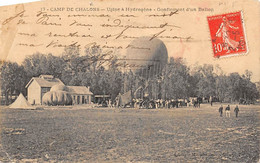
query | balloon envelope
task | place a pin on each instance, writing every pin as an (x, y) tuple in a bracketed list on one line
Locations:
[(146, 57), (59, 87), (57, 98)]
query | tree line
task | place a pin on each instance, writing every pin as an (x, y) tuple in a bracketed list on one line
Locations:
[(102, 71)]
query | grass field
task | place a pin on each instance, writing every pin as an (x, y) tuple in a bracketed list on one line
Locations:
[(81, 134)]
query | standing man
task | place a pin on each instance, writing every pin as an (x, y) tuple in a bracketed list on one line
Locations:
[(220, 110), (211, 100), (236, 110), (227, 111)]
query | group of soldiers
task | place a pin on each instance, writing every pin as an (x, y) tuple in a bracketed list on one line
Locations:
[(154, 104), (227, 110), (159, 103)]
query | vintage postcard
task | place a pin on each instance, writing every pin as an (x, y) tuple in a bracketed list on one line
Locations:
[(130, 81)]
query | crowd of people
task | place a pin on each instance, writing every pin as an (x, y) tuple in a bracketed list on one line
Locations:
[(159, 103), (154, 104)]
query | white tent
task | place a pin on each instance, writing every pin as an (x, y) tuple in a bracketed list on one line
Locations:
[(21, 103)]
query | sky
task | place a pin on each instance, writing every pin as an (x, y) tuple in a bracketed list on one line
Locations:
[(187, 23)]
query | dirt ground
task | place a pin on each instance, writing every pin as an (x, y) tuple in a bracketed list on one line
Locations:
[(82, 134)]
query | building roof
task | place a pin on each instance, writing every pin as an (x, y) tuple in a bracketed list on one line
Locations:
[(45, 81), (49, 81), (102, 96), (79, 90), (46, 76)]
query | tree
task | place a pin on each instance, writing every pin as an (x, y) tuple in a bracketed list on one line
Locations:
[(13, 80), (240, 87), (248, 88), (38, 64), (221, 88), (207, 81), (176, 79), (258, 86), (34, 65)]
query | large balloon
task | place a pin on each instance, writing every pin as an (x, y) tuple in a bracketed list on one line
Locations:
[(59, 87), (146, 57), (57, 98)]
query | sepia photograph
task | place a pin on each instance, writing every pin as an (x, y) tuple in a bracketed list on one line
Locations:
[(130, 81)]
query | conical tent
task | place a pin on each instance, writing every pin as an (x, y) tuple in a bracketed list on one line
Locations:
[(21, 103)]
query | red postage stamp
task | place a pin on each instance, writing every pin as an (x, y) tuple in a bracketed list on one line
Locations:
[(227, 34)]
